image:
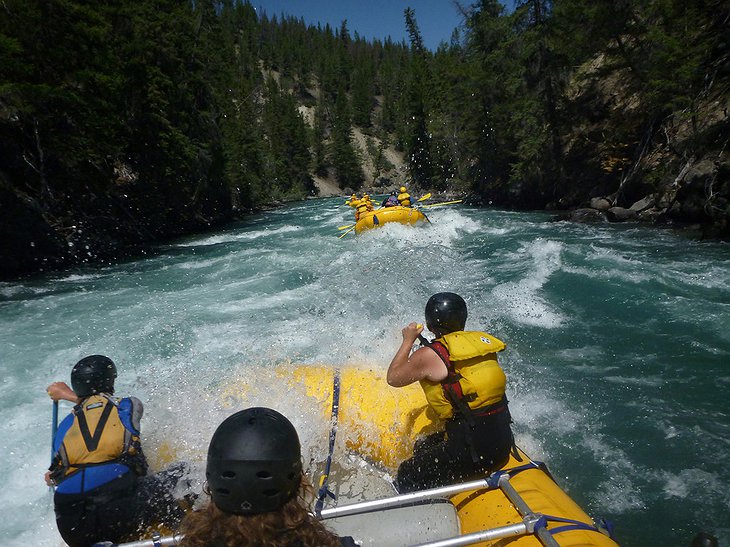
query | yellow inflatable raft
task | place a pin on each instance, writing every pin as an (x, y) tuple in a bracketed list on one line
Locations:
[(520, 505), (379, 217), (381, 424)]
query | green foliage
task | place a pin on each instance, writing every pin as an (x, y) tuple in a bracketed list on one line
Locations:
[(380, 161), (417, 137), (319, 150), (501, 104), (157, 112), (362, 95), (288, 160), (155, 117), (345, 159)]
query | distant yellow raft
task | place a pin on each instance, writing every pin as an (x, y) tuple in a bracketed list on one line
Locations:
[(381, 423), (379, 217)]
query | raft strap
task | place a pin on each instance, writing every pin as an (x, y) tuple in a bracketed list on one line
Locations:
[(494, 478), (324, 492), (572, 524)]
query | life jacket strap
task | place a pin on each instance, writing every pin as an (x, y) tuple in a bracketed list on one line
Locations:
[(451, 386), (490, 410), (92, 441)]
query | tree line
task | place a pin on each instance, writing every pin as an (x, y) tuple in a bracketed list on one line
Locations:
[(562, 100), (187, 104), (127, 122)]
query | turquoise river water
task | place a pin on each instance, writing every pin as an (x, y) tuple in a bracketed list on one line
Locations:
[(618, 356)]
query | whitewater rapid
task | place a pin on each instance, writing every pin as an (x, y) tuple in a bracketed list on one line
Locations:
[(617, 354)]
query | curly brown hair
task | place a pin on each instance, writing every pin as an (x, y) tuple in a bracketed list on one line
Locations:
[(291, 525)]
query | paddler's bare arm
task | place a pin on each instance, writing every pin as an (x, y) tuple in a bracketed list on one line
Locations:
[(424, 364), (60, 391)]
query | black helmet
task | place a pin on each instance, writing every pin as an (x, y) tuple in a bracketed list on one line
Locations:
[(445, 313), (93, 374), (254, 462)]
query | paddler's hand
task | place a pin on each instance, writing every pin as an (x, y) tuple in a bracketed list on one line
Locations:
[(49, 480), (406, 368), (411, 332), (60, 391)]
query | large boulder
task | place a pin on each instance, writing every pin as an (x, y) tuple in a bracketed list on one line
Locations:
[(600, 203), (643, 204), (587, 215), (621, 214)]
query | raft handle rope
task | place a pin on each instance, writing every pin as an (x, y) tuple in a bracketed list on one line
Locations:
[(570, 524), (324, 492)]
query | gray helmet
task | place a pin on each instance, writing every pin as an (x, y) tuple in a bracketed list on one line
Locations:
[(93, 374), (445, 313), (254, 462)]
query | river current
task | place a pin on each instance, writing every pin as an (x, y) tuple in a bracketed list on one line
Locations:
[(618, 347)]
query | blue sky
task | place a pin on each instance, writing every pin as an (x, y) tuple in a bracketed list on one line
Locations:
[(374, 18)]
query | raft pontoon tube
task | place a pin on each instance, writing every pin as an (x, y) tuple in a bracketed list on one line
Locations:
[(379, 217)]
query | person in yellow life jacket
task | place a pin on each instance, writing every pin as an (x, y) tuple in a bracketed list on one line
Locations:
[(362, 207), (368, 202), (465, 387), (352, 202), (102, 491), (404, 197)]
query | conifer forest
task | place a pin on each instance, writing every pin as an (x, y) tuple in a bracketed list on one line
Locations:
[(127, 123)]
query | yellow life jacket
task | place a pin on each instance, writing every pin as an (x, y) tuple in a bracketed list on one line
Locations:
[(404, 199), (475, 377), (96, 436), (361, 209)]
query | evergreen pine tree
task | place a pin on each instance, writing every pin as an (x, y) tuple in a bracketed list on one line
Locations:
[(418, 142), (345, 159)]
